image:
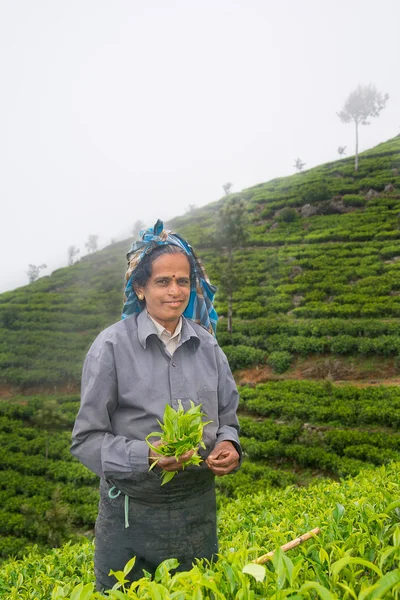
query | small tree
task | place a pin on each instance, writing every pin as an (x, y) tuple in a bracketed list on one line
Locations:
[(227, 188), (364, 102), (137, 228), (299, 164), (91, 244), (231, 233), (72, 252), (288, 215), (33, 272), (341, 150), (190, 208)]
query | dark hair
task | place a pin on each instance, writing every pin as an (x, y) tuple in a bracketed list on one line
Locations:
[(145, 267)]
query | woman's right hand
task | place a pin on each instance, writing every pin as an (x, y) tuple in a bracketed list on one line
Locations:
[(168, 463)]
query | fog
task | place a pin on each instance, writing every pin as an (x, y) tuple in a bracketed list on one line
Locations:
[(113, 111)]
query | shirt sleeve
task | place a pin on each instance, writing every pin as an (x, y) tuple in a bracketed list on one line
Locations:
[(93, 441), (228, 400)]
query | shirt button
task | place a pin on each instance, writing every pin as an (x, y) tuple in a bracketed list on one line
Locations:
[(174, 364)]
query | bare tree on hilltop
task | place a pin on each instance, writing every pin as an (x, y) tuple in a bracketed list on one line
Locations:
[(33, 272), (341, 150), (299, 164), (91, 244), (364, 102), (137, 228), (72, 252), (227, 187)]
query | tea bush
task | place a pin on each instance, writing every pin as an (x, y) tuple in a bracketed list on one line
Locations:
[(356, 555), (240, 356), (279, 361)]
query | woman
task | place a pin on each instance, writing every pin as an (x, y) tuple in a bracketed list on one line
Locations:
[(158, 355)]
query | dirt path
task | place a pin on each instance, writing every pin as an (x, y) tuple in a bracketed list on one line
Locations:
[(340, 371), (8, 390), (327, 368)]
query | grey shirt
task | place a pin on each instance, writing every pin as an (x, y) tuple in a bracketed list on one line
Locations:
[(129, 377)]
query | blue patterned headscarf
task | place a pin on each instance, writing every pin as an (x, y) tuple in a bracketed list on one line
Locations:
[(200, 307)]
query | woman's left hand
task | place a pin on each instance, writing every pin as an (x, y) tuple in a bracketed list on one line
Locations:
[(223, 459)]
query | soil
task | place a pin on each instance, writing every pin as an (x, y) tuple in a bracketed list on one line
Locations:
[(8, 391), (360, 372)]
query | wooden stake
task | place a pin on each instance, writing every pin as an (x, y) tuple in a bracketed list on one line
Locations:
[(292, 544)]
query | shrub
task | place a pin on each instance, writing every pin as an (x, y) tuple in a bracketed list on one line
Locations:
[(354, 200), (279, 361), (288, 215), (240, 357), (317, 193)]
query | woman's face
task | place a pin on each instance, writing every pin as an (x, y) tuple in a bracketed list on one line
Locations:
[(167, 290)]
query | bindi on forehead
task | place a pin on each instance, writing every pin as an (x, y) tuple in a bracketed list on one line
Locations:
[(161, 276)]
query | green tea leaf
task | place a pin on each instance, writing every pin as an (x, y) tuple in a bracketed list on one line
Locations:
[(350, 560), (396, 536), (181, 432), (393, 505), (167, 476), (347, 589), (323, 555), (129, 565), (256, 571), (322, 592), (379, 589), (163, 569), (118, 594), (338, 512), (76, 592)]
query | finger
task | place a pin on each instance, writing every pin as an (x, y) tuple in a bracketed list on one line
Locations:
[(168, 462), (187, 456), (173, 467), (224, 461), (223, 471), (217, 456)]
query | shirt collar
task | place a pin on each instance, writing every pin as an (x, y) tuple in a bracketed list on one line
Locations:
[(162, 330), (146, 328)]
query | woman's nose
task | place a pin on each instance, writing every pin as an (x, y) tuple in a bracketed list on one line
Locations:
[(174, 288)]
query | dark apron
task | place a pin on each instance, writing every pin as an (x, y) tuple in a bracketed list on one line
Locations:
[(177, 520)]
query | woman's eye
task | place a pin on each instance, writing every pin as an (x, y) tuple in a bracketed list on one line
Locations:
[(184, 282)]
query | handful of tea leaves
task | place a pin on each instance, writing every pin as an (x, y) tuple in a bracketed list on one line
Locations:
[(181, 432)]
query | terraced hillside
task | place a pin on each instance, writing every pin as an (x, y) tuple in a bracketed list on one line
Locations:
[(320, 276), (319, 300), (321, 273)]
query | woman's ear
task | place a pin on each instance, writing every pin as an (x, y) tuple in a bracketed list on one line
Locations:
[(139, 293)]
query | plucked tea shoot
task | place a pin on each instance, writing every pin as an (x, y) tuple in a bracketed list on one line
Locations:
[(181, 432)]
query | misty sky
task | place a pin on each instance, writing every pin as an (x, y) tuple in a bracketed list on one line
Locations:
[(117, 110)]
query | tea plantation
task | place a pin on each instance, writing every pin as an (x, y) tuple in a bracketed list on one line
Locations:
[(323, 278), (356, 555), (316, 317)]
